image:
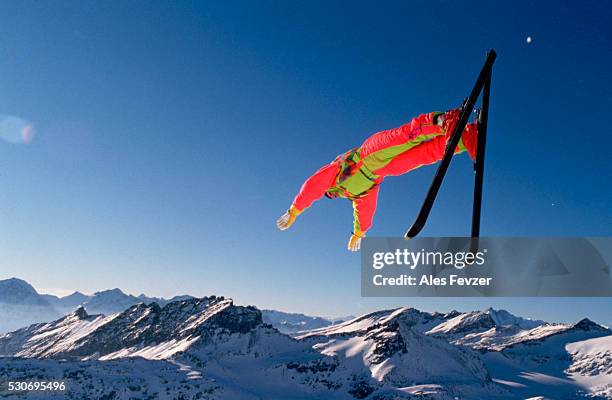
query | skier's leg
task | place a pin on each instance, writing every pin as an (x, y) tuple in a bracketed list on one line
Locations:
[(429, 152), (424, 154), (470, 139)]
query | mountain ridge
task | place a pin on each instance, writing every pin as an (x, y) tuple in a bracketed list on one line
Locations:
[(21, 305), (226, 351)]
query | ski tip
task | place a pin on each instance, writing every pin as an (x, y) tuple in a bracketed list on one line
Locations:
[(492, 54)]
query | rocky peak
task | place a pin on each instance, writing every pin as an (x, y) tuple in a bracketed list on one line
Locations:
[(80, 313), (505, 318), (586, 324), (141, 325)]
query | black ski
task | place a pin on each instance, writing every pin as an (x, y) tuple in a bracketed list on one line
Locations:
[(483, 118), (484, 79)]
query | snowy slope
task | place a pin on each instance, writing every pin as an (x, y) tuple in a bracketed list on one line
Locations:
[(419, 320), (391, 346), (47, 339), (528, 358), (160, 332), (482, 321), (229, 345), (499, 338), (592, 364), (210, 348), (541, 364), (124, 379)]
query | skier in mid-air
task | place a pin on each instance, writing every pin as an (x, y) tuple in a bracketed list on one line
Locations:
[(358, 173)]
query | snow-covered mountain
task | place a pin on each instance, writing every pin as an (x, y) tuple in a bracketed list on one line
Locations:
[(17, 291), (230, 353), (551, 360), (499, 338), (114, 300), (592, 364), (218, 350), (110, 302), (393, 347), (533, 358), (66, 303), (294, 323), (82, 336), (21, 305), (462, 324), (210, 348)]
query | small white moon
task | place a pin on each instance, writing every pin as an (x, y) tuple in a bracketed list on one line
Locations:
[(529, 39)]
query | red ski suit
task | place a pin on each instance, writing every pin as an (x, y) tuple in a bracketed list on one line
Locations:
[(357, 174)]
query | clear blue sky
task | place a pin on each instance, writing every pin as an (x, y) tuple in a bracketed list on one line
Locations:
[(171, 135)]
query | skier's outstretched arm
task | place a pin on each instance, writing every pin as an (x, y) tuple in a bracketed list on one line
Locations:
[(364, 209), (312, 190)]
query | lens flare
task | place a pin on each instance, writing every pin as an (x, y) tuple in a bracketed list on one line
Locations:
[(16, 130), (27, 133)]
